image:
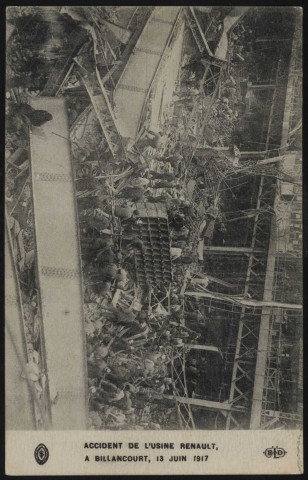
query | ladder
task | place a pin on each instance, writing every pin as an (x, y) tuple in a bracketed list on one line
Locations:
[(101, 104)]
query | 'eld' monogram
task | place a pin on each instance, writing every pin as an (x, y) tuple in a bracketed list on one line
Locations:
[(274, 452)]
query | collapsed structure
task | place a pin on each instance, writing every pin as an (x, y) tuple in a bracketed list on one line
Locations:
[(184, 146)]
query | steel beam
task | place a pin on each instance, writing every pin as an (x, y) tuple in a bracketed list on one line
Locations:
[(256, 409), (289, 94), (234, 250), (198, 402)]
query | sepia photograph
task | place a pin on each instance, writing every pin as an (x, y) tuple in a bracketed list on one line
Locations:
[(153, 224)]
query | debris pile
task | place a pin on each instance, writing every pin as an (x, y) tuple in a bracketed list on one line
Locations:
[(141, 204), (147, 206)]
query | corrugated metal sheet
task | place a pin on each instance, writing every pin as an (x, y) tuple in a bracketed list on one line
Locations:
[(153, 262)]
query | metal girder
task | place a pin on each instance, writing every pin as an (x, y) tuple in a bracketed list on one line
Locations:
[(283, 415), (230, 250), (271, 419), (270, 413), (197, 31), (246, 330), (211, 84), (180, 396), (260, 235), (239, 300), (192, 117), (243, 367), (296, 58), (266, 364), (207, 404)]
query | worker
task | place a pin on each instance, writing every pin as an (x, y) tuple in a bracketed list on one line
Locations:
[(29, 115), (136, 194), (174, 160), (148, 138), (162, 176), (184, 259), (165, 184)]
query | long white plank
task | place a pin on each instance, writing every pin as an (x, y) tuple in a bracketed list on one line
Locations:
[(132, 88), (59, 266)]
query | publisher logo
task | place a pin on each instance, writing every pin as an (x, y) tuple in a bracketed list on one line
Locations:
[(275, 452), (41, 454)]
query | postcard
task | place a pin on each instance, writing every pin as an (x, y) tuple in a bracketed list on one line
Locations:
[(153, 240)]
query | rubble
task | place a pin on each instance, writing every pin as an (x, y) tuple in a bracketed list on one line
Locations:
[(147, 206)]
